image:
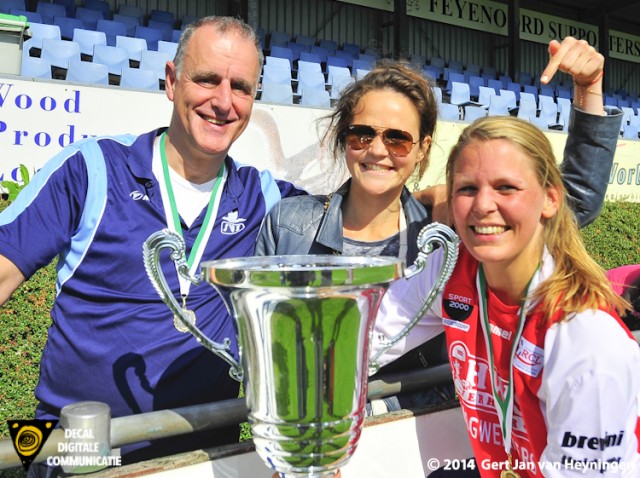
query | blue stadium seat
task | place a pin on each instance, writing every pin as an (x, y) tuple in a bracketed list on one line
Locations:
[(165, 28), (310, 80), (448, 112), (34, 67), (337, 61), (132, 11), (87, 72), (111, 29), (138, 78), (41, 31), (311, 57), (338, 84), (152, 35), (510, 98), (498, 106), (32, 17), (471, 113), (99, 5), (168, 47), (308, 66), (527, 107), (130, 23), (113, 57), (134, 46), (318, 98), (276, 74), (330, 45), (629, 131), (163, 16), (7, 5), (60, 52), (277, 38), (277, 93), (89, 17), (352, 48), (155, 61), (49, 11), (484, 95), (87, 39), (454, 77), (67, 26), (461, 95), (475, 82), (282, 52)]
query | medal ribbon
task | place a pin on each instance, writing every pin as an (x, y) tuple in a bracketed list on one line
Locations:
[(504, 406), (173, 218)]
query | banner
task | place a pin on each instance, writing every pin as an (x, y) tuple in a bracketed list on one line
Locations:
[(39, 118)]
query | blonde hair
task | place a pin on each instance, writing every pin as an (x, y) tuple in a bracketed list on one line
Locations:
[(578, 283)]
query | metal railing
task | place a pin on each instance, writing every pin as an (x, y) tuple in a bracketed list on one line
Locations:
[(179, 421)]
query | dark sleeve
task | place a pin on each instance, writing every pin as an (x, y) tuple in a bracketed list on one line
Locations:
[(588, 158)]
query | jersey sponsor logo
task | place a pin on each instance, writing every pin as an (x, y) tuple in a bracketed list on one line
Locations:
[(138, 196), (232, 224), (458, 304), (455, 324), (472, 382), (500, 332), (569, 440), (529, 358)]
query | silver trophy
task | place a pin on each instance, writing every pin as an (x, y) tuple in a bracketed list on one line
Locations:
[(304, 325)]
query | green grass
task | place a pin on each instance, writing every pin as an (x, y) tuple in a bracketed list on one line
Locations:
[(613, 240)]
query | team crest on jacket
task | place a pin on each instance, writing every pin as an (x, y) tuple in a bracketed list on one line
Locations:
[(458, 302), (232, 224)]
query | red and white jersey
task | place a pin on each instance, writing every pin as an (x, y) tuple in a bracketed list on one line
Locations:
[(576, 383)]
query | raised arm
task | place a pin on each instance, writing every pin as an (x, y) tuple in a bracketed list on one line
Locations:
[(593, 132)]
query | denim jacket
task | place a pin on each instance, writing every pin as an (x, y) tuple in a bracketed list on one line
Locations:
[(313, 224)]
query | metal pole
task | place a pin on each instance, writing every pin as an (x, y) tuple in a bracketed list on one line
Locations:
[(179, 421)]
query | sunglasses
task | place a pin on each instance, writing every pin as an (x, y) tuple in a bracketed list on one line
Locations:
[(398, 143)]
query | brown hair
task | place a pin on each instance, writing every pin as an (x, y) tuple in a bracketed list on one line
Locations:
[(390, 75)]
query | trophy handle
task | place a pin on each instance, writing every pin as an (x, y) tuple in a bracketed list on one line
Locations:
[(429, 236), (167, 239)]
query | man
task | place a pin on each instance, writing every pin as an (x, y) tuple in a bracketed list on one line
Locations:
[(95, 203)]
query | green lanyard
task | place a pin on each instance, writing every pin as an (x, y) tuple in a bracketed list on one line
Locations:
[(173, 218), (504, 406)]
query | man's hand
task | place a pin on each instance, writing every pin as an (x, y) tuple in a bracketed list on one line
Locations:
[(436, 197)]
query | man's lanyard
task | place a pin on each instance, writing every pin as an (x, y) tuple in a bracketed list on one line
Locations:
[(173, 218), (504, 406)]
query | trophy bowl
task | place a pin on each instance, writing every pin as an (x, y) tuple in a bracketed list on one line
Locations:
[(304, 325)]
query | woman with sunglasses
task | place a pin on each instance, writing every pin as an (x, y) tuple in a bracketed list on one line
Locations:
[(383, 126)]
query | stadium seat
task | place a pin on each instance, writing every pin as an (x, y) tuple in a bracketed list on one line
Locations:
[(87, 72), (510, 99), (472, 113), (322, 52), (276, 74), (130, 22), (277, 93), (69, 6), (308, 66), (113, 57), (100, 5), (282, 52), (460, 94), (313, 80), (318, 98), (89, 17), (432, 72), (111, 29), (437, 91), (311, 57), (152, 35), (339, 84), (33, 67), (498, 106), (277, 38), (60, 52), (629, 131), (352, 48), (138, 78), (539, 122), (484, 95), (67, 25), (454, 77), (162, 16), (32, 17), (88, 39), (132, 11), (448, 112), (134, 46), (41, 31), (7, 5), (155, 61), (532, 90), (358, 64), (168, 47), (360, 73), (527, 106), (49, 11), (475, 82), (338, 61), (165, 28), (330, 45)]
